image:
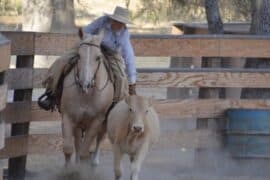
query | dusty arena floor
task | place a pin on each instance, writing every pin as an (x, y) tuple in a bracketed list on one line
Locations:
[(166, 163), (168, 160)]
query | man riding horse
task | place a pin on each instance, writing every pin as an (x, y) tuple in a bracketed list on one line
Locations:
[(116, 48)]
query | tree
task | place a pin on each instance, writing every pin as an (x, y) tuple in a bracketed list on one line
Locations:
[(48, 15), (63, 16), (215, 26), (37, 15), (260, 25)]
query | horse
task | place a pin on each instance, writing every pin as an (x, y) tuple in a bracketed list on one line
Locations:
[(86, 98)]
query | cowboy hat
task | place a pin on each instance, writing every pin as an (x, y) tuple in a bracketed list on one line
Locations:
[(120, 14)]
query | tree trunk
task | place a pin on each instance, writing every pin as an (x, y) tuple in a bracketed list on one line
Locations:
[(260, 25), (37, 15), (63, 16), (215, 26), (48, 15), (255, 5), (261, 17)]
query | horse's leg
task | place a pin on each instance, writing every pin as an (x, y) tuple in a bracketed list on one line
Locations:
[(100, 138), (67, 132), (89, 137), (117, 159), (136, 161), (78, 141)]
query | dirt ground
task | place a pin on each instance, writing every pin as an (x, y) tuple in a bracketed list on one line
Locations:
[(165, 161)]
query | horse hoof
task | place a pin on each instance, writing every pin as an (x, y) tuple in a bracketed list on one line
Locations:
[(67, 165), (95, 162)]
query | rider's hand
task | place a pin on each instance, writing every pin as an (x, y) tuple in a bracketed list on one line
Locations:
[(132, 89)]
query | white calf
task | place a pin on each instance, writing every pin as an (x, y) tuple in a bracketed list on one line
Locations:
[(133, 125)]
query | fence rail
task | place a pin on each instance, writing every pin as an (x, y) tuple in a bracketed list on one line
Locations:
[(29, 43), (17, 112), (27, 78)]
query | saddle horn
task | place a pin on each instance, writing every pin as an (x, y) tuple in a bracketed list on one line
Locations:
[(80, 33)]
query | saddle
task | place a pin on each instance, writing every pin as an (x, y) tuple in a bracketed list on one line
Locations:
[(51, 101)]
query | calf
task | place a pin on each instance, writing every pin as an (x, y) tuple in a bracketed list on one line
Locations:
[(133, 126)]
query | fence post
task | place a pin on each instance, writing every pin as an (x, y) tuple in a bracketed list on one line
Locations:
[(17, 165), (4, 65), (2, 141)]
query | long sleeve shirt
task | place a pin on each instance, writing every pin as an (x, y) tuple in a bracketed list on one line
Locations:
[(118, 41)]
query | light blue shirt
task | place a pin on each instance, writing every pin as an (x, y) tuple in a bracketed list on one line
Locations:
[(118, 41)]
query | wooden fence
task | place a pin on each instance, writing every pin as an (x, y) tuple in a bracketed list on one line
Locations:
[(27, 44), (4, 65)]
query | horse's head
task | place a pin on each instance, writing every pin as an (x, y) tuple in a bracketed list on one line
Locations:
[(89, 61)]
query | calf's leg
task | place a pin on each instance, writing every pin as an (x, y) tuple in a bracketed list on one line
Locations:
[(137, 160), (118, 156)]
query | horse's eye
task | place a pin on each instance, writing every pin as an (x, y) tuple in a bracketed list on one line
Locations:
[(98, 58), (147, 111)]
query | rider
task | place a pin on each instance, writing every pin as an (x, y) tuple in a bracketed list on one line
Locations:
[(116, 38)]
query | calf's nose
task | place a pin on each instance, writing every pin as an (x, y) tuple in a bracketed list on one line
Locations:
[(137, 129)]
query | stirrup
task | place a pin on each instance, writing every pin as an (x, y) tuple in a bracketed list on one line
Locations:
[(46, 101)]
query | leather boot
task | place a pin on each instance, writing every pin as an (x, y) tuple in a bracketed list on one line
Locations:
[(132, 89)]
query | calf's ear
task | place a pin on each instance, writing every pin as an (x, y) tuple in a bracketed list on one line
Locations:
[(127, 100)]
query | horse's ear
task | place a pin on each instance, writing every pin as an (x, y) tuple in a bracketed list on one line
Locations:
[(80, 33), (151, 101)]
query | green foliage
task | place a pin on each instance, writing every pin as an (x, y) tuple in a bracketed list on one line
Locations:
[(156, 11), (10, 7), (19, 8)]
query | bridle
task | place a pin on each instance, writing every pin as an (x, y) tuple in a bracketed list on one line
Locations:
[(93, 80)]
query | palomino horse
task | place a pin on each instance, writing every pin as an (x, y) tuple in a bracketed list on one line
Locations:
[(87, 96)]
